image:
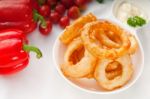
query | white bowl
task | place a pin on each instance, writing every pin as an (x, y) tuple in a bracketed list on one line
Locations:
[(90, 85), (143, 5)]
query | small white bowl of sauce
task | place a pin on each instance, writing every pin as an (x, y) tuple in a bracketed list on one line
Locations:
[(124, 9)]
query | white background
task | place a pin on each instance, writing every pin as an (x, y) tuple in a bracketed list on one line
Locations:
[(40, 80)]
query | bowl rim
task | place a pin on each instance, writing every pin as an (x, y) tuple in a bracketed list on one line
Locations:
[(98, 92)]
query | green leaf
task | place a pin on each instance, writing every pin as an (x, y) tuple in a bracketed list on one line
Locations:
[(131, 22), (136, 21)]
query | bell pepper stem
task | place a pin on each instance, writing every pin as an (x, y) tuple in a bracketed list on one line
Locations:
[(29, 48), (37, 17)]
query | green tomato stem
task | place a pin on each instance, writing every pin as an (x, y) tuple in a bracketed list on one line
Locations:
[(41, 2), (37, 17)]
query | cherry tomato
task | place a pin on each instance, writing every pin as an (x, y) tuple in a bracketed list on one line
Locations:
[(60, 8), (64, 21), (55, 17), (52, 2), (67, 3), (80, 2), (35, 5), (83, 7), (89, 1), (44, 10), (47, 29), (74, 12), (30, 27)]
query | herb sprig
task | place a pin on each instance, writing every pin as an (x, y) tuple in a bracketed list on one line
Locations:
[(136, 21)]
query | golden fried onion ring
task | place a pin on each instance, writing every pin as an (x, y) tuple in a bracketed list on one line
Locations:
[(111, 75), (127, 71), (106, 40), (99, 51), (114, 42), (113, 70), (134, 44), (82, 67), (74, 30)]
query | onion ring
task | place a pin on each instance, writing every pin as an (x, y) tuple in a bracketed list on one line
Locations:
[(82, 67), (106, 40), (113, 37), (112, 66), (112, 41), (134, 44), (113, 70), (111, 75), (74, 30), (119, 81), (109, 39), (98, 51), (89, 76)]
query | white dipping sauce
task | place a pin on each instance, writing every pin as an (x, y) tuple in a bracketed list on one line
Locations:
[(127, 10)]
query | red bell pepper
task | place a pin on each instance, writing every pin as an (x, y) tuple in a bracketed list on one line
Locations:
[(17, 14), (14, 51)]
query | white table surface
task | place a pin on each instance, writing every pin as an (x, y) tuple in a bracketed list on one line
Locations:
[(40, 80)]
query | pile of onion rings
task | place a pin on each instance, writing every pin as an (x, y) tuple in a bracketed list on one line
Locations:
[(100, 50)]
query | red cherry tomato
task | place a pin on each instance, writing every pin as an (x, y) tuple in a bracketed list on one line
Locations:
[(89, 1), (60, 8), (83, 7), (55, 17), (80, 2), (47, 29), (52, 2), (74, 12), (64, 21), (67, 3), (35, 4), (44, 10)]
